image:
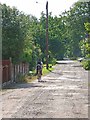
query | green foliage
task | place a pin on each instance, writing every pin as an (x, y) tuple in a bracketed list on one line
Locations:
[(12, 39), (46, 71), (24, 36), (87, 26), (20, 78), (86, 64), (18, 42), (76, 18)]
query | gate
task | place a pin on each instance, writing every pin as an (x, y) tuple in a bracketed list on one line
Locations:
[(6, 72)]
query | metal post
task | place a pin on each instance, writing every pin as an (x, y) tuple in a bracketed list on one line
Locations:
[(47, 34)]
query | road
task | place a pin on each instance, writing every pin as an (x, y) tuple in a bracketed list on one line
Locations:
[(62, 94)]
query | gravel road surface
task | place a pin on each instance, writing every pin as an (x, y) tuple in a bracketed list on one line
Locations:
[(63, 93)]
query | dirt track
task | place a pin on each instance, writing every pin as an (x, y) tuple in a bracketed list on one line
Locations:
[(62, 94)]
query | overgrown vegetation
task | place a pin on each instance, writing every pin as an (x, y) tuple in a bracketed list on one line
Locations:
[(24, 36), (86, 63), (32, 75)]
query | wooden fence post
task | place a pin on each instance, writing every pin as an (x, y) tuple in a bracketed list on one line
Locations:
[(10, 69), (14, 74)]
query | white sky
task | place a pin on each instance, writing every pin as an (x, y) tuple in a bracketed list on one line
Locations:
[(31, 7)]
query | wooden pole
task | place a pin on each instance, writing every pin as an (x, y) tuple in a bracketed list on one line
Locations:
[(47, 34)]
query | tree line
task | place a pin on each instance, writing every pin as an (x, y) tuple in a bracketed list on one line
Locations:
[(24, 36)]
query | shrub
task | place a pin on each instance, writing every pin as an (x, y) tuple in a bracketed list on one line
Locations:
[(86, 64), (20, 78)]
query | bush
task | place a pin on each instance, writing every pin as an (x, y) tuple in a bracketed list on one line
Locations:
[(20, 78), (86, 64), (73, 58), (52, 61)]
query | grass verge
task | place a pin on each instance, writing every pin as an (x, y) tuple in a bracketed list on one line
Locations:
[(32, 77)]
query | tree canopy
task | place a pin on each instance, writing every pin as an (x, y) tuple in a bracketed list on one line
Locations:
[(24, 36)]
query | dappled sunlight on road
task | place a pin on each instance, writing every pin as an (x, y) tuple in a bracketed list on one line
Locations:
[(62, 93)]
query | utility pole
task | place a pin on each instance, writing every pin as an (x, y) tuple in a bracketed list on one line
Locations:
[(47, 34)]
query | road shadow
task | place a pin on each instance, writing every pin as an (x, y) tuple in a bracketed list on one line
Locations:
[(19, 85), (22, 85), (57, 73), (77, 66)]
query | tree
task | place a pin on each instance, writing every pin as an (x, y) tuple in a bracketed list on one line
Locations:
[(86, 63), (12, 34), (75, 19)]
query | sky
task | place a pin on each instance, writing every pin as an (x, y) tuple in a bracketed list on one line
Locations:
[(35, 7)]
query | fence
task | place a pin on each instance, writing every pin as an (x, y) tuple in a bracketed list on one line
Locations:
[(6, 71), (11, 71)]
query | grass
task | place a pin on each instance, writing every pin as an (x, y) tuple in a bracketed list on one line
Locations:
[(46, 71), (30, 78)]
